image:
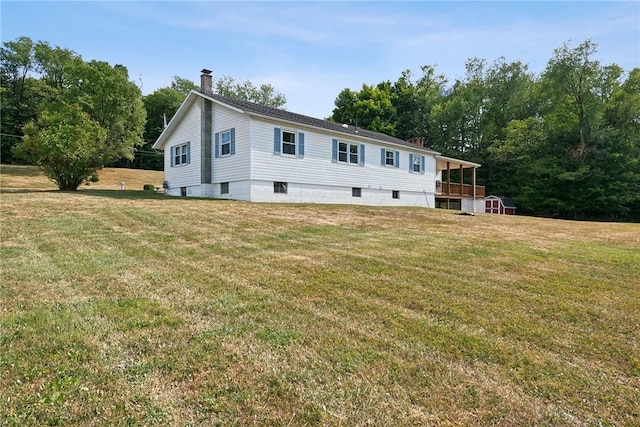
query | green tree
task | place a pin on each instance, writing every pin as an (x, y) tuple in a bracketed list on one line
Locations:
[(37, 77), (160, 106), (264, 94), (17, 105), (182, 85), (414, 101), (372, 108), (114, 102), (66, 144)]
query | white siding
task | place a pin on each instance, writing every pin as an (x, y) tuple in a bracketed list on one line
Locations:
[(469, 205), (316, 169), (236, 167), (314, 178), (188, 130), (262, 191)]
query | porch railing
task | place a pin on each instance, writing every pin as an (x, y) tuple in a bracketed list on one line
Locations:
[(453, 189)]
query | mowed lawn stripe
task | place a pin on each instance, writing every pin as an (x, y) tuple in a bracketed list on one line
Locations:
[(154, 311)]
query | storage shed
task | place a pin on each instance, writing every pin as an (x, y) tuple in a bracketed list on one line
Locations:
[(499, 205)]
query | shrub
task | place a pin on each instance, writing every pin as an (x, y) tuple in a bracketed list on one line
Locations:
[(149, 187)]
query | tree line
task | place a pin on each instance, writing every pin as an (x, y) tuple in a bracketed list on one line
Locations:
[(564, 143), (72, 117)]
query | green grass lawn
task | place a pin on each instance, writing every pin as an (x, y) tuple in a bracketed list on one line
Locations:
[(126, 308)]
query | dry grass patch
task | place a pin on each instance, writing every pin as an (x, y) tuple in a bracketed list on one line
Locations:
[(13, 178), (172, 311)]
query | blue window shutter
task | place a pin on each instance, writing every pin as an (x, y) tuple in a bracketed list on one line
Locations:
[(188, 152), (410, 162), (334, 151), (300, 144), (422, 164), (173, 157), (233, 141), (216, 149), (397, 159), (383, 159), (361, 154), (277, 139)]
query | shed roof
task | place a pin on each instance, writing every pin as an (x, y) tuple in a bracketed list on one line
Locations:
[(506, 201)]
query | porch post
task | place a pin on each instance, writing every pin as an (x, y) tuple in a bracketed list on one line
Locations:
[(461, 181), (473, 178), (448, 178)]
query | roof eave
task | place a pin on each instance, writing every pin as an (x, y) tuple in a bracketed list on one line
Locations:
[(462, 162), (159, 144)]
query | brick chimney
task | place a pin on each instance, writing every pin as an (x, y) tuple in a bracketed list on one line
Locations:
[(206, 85), (417, 141)]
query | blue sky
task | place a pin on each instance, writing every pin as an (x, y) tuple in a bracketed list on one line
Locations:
[(310, 51)]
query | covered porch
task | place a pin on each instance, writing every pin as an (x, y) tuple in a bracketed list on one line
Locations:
[(455, 182)]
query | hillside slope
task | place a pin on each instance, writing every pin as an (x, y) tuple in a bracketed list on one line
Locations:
[(119, 308), (29, 177)]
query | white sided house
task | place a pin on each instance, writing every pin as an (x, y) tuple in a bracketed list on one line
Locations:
[(224, 148)]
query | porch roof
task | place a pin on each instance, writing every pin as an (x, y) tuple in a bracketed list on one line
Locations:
[(441, 163)]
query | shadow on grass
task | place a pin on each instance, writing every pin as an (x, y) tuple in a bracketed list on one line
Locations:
[(16, 170), (138, 195), (123, 194), (112, 194)]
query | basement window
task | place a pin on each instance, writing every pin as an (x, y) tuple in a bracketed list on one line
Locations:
[(224, 188), (395, 194), (280, 187), (356, 192)]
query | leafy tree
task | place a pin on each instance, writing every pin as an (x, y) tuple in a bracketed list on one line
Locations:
[(183, 86), (16, 103), (114, 102), (264, 94), (345, 106), (66, 144), (414, 101), (564, 143), (372, 108), (160, 105), (573, 82), (41, 83)]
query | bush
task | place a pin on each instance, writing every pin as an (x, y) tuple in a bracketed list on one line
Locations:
[(149, 187)]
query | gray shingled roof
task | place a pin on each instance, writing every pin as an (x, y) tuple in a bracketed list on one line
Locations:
[(276, 113), (506, 201)]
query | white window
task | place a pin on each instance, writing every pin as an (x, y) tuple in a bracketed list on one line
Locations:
[(416, 165), (348, 153), (389, 159), (288, 142), (180, 154), (225, 143)]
